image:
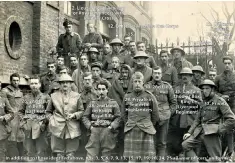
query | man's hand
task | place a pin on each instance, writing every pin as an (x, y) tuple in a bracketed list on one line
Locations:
[(88, 45), (1, 118), (91, 127), (110, 127), (186, 136), (71, 116), (225, 97), (43, 127)]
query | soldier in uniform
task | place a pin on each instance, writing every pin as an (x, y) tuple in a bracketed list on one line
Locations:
[(188, 101), (129, 58), (87, 95), (107, 51), (73, 64), (64, 112), (96, 74), (225, 83), (114, 72), (102, 117), (198, 75), (49, 78), (93, 55), (165, 96), (126, 49), (92, 39), (6, 115), (119, 88), (116, 48), (59, 63), (212, 74), (82, 68), (207, 128), (140, 60), (169, 73), (15, 98), (140, 114), (69, 42), (150, 61), (34, 120), (180, 61)]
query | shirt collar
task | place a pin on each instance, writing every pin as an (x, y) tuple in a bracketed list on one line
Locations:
[(72, 34)]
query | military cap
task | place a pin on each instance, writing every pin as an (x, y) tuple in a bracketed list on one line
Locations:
[(66, 23), (198, 68), (227, 57), (92, 49), (186, 70), (97, 64), (65, 77), (116, 41), (141, 54), (177, 48), (207, 82)]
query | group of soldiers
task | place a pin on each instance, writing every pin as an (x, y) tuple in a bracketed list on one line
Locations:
[(112, 102)]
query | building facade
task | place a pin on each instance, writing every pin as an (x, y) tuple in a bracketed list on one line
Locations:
[(30, 29)]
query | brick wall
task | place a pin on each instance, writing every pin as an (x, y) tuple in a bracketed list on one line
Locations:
[(23, 65)]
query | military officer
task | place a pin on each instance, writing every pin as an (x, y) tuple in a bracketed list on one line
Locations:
[(198, 75), (169, 73), (188, 101), (179, 60), (206, 127), (49, 78), (64, 112), (17, 136), (102, 118), (140, 59), (140, 114), (34, 120), (150, 62), (165, 96), (225, 83), (6, 115), (92, 39), (107, 52), (69, 42)]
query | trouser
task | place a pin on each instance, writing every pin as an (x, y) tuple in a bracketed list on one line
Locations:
[(101, 140), (119, 148), (212, 143), (161, 139), (175, 139), (15, 149), (36, 147), (3, 150), (64, 148), (83, 141)]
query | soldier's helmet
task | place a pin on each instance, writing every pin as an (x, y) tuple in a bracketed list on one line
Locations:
[(65, 77), (186, 70), (116, 41), (198, 68), (92, 49), (177, 48), (141, 54), (207, 82)]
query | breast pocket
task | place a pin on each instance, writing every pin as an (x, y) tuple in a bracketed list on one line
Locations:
[(167, 77)]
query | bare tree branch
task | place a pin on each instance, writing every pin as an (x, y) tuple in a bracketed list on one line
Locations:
[(206, 19), (216, 13), (224, 11)]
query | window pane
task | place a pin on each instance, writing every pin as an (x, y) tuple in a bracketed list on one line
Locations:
[(65, 7), (69, 8)]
